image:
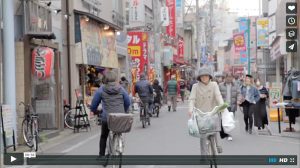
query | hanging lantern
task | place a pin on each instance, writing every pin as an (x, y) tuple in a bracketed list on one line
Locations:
[(42, 62)]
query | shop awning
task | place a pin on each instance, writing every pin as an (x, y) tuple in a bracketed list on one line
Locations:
[(98, 19)]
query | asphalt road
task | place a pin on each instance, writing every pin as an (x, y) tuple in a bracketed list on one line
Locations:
[(168, 135)]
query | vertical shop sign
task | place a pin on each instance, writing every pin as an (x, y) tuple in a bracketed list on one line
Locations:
[(239, 42), (42, 62), (171, 29), (262, 32), (136, 11), (164, 17), (138, 50), (179, 13), (180, 48)]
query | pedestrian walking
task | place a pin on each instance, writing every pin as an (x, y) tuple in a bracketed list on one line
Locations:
[(230, 92), (182, 86), (249, 97), (205, 96), (192, 83), (260, 114), (172, 89), (114, 99), (124, 83)]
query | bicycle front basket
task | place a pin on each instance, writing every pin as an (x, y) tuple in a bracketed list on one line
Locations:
[(207, 122), (119, 122)]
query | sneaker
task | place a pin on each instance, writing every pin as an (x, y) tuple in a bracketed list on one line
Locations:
[(250, 131), (229, 138), (269, 130)]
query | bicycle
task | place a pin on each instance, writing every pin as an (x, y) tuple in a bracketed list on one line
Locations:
[(30, 127), (69, 117), (156, 107), (144, 116), (207, 125), (118, 123)]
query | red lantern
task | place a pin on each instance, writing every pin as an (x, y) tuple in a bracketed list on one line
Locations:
[(42, 62)]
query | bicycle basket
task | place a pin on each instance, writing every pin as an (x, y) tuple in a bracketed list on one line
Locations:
[(207, 122), (120, 122)]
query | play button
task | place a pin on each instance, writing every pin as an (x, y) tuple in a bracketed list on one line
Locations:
[(13, 159)]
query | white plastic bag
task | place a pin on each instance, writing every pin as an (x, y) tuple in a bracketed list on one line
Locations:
[(193, 126), (228, 122)]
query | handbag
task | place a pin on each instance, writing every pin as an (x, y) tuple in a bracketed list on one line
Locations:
[(193, 126), (228, 122)]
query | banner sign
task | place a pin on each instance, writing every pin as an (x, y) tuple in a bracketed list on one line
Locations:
[(243, 57), (239, 42), (179, 13), (164, 17), (98, 45), (42, 62), (136, 11), (138, 50), (262, 25), (275, 96), (180, 48), (171, 28)]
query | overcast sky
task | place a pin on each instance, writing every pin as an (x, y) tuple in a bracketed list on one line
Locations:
[(242, 7)]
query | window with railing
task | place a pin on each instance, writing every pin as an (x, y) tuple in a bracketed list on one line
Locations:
[(37, 17)]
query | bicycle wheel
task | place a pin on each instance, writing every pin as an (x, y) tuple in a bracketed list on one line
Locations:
[(70, 119), (213, 150), (35, 135), (27, 133), (143, 118), (156, 108)]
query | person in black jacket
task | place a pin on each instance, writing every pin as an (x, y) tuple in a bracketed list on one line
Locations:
[(260, 114), (158, 90)]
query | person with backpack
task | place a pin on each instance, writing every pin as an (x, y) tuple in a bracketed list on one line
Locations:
[(158, 90), (114, 99)]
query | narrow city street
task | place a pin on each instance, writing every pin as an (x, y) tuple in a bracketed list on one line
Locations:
[(168, 135)]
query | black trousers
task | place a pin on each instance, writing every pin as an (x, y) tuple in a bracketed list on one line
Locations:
[(248, 109), (103, 138)]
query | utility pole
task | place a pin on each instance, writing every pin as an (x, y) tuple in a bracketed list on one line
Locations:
[(248, 46), (198, 44)]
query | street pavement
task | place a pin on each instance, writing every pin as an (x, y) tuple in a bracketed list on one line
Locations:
[(168, 135)]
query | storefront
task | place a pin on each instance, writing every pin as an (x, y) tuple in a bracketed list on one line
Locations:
[(95, 53)]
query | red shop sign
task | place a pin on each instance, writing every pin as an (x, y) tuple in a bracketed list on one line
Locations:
[(42, 62)]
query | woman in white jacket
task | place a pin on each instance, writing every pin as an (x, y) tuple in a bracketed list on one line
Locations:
[(205, 95)]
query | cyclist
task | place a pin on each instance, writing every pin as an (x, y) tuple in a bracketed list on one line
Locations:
[(114, 99), (205, 96), (145, 91), (158, 90)]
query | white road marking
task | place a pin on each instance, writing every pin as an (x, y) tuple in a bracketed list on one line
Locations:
[(80, 143)]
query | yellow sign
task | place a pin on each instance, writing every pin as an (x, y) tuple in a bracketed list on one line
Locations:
[(134, 51)]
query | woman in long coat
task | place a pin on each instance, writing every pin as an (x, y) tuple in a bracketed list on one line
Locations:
[(260, 114)]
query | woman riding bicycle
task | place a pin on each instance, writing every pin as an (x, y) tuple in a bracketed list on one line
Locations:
[(158, 90), (205, 95), (114, 99)]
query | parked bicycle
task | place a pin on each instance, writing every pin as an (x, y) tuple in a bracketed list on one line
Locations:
[(30, 127), (118, 123), (69, 116)]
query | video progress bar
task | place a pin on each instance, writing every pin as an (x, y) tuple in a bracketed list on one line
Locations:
[(164, 160)]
